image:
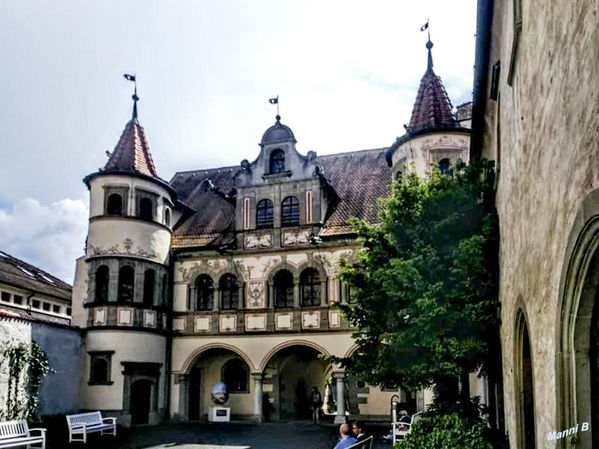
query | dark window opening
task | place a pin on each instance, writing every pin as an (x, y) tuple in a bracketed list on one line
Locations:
[(527, 393), (55, 308), (126, 284), (264, 214), (310, 287), (146, 209), (445, 167), (17, 299), (149, 283), (283, 289), (102, 276), (5, 296), (235, 375), (167, 217), (114, 205), (35, 304), (229, 292), (290, 211), (99, 368), (204, 292), (46, 306), (68, 311), (277, 161)]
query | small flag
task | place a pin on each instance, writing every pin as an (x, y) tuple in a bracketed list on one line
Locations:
[(129, 77), (273, 100), (424, 27)]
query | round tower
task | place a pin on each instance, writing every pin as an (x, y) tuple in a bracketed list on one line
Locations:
[(122, 283)]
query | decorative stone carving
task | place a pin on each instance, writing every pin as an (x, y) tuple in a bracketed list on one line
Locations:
[(334, 318), (255, 322), (186, 273), (258, 241), (228, 323), (266, 267), (202, 323), (100, 315), (255, 294), (179, 324), (244, 270), (311, 320), (149, 318), (127, 250), (284, 321), (296, 238), (125, 316)]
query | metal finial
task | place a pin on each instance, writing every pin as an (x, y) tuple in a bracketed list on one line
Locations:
[(134, 96)]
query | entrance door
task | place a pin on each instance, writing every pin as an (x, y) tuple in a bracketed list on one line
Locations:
[(141, 393)]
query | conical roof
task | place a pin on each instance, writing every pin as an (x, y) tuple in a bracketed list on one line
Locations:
[(432, 108), (132, 152)]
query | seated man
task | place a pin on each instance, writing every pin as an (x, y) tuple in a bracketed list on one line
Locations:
[(359, 431), (346, 439)]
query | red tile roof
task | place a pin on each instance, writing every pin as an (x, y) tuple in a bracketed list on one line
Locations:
[(132, 152)]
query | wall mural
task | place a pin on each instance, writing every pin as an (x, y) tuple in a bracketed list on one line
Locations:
[(127, 250)]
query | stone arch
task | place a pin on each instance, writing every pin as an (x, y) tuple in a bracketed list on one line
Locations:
[(198, 272), (191, 359), (578, 292), (283, 265), (312, 263), (353, 348), (288, 344)]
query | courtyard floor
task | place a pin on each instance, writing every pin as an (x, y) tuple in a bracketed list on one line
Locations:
[(212, 436)]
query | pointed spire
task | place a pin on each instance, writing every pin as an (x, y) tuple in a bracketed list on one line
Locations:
[(135, 100), (429, 46)]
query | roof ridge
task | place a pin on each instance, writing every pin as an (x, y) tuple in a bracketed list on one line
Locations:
[(12, 260)]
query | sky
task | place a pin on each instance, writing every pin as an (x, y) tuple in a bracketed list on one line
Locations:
[(346, 73)]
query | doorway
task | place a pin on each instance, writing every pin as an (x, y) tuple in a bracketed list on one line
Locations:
[(141, 392)]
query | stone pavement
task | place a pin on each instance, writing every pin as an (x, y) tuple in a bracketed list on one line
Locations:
[(212, 436)]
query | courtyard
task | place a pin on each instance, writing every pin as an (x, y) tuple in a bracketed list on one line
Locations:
[(210, 436)]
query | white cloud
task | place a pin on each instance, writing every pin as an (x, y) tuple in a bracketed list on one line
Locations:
[(50, 237)]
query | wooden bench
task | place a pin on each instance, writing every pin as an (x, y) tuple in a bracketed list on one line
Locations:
[(18, 433), (401, 429), (83, 423)]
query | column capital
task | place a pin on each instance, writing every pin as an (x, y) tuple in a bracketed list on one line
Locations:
[(338, 375), (258, 376)]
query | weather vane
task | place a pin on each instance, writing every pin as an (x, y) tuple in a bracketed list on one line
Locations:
[(275, 101), (425, 27), (134, 96)]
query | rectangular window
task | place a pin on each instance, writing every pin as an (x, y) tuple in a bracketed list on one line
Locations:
[(68, 311), (55, 308), (100, 367), (246, 214), (309, 206), (17, 299), (35, 304), (5, 296), (46, 306)]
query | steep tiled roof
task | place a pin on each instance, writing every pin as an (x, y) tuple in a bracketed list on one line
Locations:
[(20, 274), (132, 152), (358, 179), (432, 108)]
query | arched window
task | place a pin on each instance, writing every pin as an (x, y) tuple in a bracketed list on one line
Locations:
[(204, 292), (264, 214), (229, 292), (114, 205), (102, 277), (99, 370), (525, 389), (277, 161), (126, 283), (149, 287), (235, 375), (310, 287), (146, 209), (445, 167), (290, 211), (283, 289), (167, 216)]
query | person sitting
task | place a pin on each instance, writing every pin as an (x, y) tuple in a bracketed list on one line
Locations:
[(346, 438), (359, 430), (404, 418)]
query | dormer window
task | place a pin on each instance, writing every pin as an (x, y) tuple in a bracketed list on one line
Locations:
[(277, 161), (264, 214), (290, 211), (146, 204)]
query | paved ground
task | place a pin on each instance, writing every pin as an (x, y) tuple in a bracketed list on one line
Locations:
[(211, 436)]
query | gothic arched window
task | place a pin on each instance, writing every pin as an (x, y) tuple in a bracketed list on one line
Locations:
[(146, 209), (235, 375), (204, 292), (264, 214), (114, 205), (229, 292), (149, 286), (283, 289), (310, 287), (277, 161), (102, 277), (126, 284), (290, 211)]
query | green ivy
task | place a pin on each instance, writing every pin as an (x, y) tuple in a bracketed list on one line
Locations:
[(27, 365)]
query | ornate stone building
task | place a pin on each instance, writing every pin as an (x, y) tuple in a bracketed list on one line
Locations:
[(536, 114), (232, 274)]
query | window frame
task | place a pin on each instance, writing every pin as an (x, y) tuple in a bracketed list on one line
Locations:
[(105, 356), (289, 298), (290, 212), (123, 191), (121, 286), (264, 205), (279, 154), (230, 291), (314, 286), (97, 299), (209, 290)]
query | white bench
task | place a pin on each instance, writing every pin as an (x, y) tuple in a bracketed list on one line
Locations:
[(83, 423), (364, 444), (18, 433), (401, 429)]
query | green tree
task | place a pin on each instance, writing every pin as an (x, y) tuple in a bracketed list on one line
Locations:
[(423, 286)]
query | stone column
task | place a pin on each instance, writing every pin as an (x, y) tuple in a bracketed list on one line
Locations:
[(296, 294), (191, 300), (216, 300), (271, 295), (240, 296), (339, 379), (323, 293), (258, 415)]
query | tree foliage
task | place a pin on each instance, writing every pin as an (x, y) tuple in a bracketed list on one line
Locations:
[(423, 286)]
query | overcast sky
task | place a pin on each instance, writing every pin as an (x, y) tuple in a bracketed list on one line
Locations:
[(346, 73)]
